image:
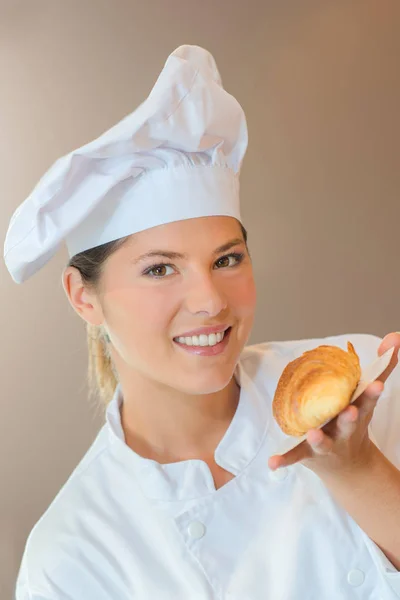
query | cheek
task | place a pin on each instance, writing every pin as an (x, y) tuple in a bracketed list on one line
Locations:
[(142, 313), (243, 295)]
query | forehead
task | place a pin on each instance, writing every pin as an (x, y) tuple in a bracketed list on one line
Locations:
[(210, 231)]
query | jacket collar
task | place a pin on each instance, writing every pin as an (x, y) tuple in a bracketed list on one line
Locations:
[(192, 479)]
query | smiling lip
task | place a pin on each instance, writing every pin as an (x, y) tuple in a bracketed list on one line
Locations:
[(204, 331), (207, 350)]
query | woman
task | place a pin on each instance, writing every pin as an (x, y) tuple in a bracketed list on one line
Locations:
[(180, 496)]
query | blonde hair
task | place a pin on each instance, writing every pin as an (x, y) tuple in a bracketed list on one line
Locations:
[(102, 376)]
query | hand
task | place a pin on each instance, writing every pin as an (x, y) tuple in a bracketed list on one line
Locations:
[(344, 443)]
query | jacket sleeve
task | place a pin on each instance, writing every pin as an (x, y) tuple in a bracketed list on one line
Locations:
[(23, 589)]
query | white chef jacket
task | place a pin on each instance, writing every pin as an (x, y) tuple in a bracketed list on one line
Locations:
[(124, 527)]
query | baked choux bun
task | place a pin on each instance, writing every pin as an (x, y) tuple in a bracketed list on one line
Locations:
[(315, 388)]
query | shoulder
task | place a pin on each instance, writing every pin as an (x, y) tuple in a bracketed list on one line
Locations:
[(50, 535), (271, 357)]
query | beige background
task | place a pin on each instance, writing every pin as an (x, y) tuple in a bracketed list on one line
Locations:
[(319, 81)]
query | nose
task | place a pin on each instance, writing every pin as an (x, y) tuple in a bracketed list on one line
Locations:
[(203, 295)]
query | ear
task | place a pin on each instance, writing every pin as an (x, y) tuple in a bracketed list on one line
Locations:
[(84, 302)]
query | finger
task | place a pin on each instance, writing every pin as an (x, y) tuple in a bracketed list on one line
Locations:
[(319, 442), (275, 462), (389, 341), (347, 422), (367, 402), (295, 455)]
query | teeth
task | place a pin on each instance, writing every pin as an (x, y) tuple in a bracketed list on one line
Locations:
[(202, 340), (207, 340)]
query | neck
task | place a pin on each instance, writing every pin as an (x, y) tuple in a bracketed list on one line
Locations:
[(168, 426)]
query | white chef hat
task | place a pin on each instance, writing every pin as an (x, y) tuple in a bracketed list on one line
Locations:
[(177, 156)]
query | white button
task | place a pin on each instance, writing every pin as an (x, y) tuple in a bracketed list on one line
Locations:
[(196, 530), (355, 577), (279, 474)]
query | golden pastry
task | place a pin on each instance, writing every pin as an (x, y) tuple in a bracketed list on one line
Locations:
[(315, 387)]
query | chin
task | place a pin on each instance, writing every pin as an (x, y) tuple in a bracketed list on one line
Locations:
[(210, 383)]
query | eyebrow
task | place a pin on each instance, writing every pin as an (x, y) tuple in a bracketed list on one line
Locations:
[(178, 255)]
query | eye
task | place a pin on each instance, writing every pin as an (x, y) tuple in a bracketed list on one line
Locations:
[(224, 260), (158, 271)]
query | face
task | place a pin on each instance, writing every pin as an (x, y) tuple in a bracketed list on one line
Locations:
[(199, 275)]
